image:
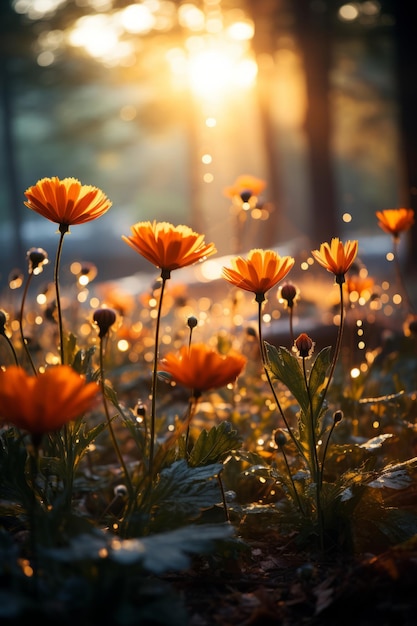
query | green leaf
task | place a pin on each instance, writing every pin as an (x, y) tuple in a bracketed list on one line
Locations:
[(157, 553), (285, 366), (211, 446), (170, 550), (183, 492), (317, 379)]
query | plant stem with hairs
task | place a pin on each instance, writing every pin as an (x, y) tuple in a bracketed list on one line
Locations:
[(129, 485), (260, 299), (24, 344), (63, 228), (165, 274)]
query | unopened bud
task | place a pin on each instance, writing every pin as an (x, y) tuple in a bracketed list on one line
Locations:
[(304, 346), (289, 293), (192, 321), (37, 258), (104, 318), (337, 417)]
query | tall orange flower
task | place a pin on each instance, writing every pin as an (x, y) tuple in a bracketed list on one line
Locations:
[(168, 247), (66, 202), (201, 368), (395, 221), (44, 403), (245, 184), (337, 257), (261, 271)]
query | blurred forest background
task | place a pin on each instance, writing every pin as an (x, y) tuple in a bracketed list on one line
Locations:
[(164, 103)]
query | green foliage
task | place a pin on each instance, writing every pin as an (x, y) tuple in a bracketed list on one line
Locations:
[(181, 493), (213, 445)]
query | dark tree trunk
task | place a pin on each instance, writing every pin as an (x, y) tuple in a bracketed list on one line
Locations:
[(313, 27), (405, 41)]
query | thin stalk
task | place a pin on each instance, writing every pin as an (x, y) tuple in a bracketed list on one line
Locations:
[(164, 277), (268, 377), (291, 324), (192, 408), (63, 228), (24, 344), (110, 425), (16, 360), (294, 488), (338, 341), (400, 278), (315, 466)]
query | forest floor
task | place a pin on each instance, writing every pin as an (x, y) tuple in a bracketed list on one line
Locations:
[(273, 584)]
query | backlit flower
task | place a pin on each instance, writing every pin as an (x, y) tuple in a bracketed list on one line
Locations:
[(395, 221), (245, 187), (44, 403), (66, 202), (201, 368), (337, 257), (168, 247), (259, 272)]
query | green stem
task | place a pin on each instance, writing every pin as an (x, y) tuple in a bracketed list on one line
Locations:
[(338, 346), (400, 279), (164, 276), (110, 425), (294, 488), (63, 228), (16, 360), (268, 377), (24, 344), (314, 467)]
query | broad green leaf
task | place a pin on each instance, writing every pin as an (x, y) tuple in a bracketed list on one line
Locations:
[(170, 550), (183, 492), (211, 446), (156, 553), (286, 368)]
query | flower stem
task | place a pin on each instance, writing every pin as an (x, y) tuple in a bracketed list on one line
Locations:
[(314, 466), (164, 278), (338, 343), (63, 228), (400, 279), (16, 360), (24, 344), (110, 425), (268, 377)]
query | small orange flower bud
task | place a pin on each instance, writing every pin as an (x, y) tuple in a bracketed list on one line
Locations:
[(304, 346)]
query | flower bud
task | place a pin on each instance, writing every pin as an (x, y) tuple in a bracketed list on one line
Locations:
[(289, 293), (304, 346), (104, 318), (337, 417), (192, 321), (280, 438), (37, 258)]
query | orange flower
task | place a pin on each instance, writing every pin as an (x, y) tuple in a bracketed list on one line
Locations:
[(259, 272), (40, 404), (201, 368), (66, 202), (168, 247), (336, 257), (246, 184), (395, 221)]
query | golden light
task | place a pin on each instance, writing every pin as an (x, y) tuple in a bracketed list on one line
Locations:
[(214, 70), (98, 34), (242, 30), (137, 18)]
